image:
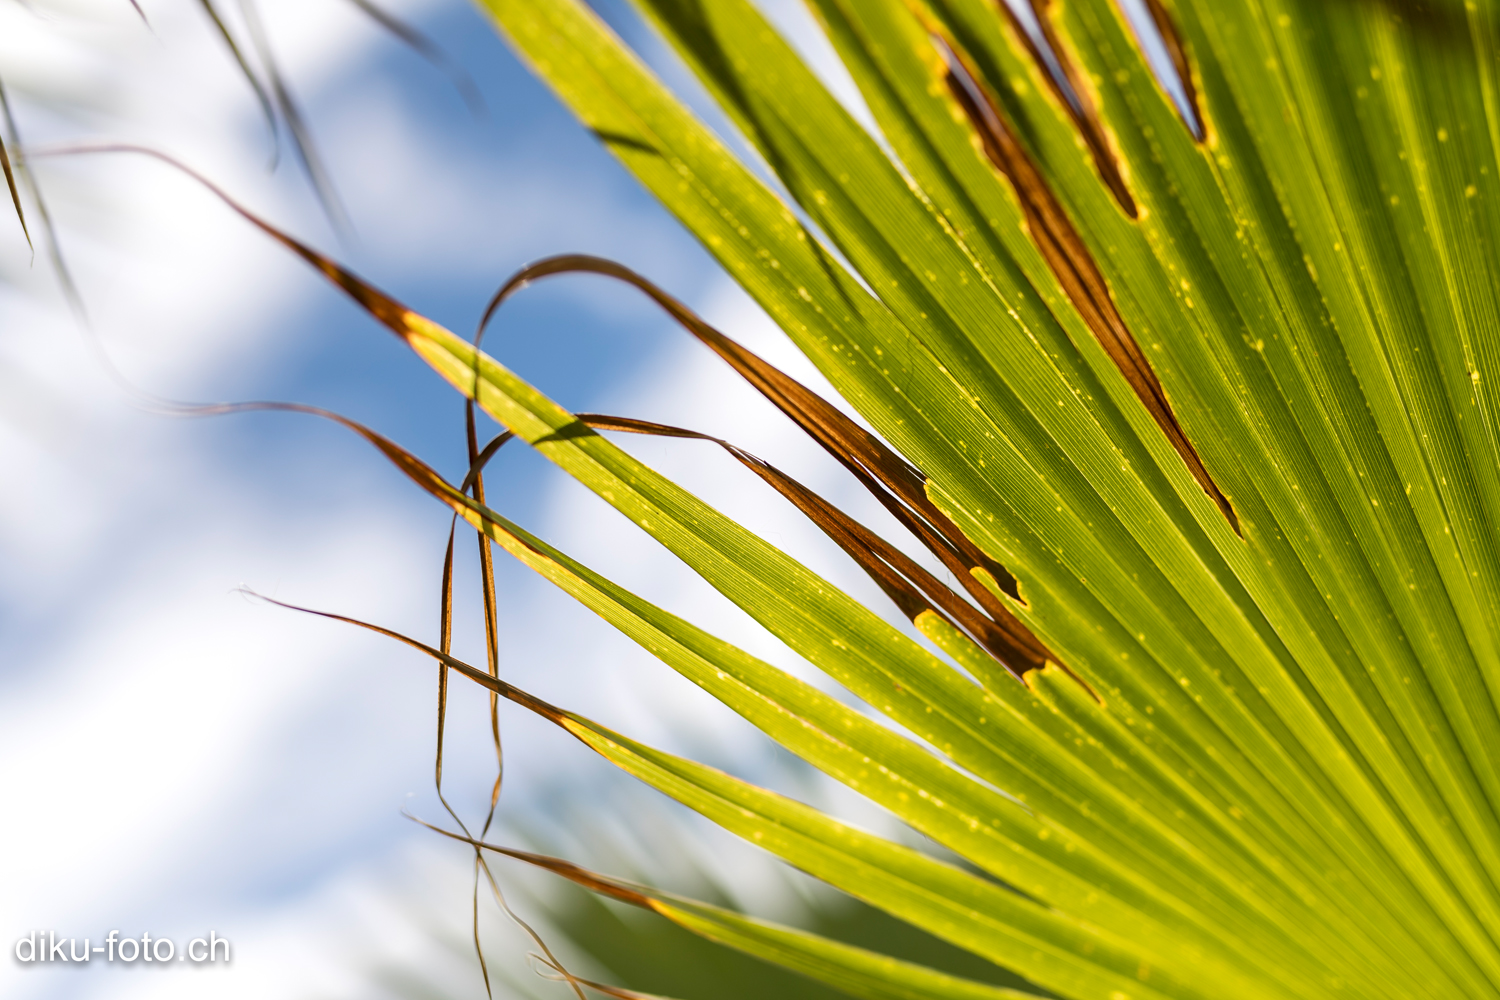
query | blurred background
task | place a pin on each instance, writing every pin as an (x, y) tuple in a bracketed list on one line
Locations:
[(177, 758)]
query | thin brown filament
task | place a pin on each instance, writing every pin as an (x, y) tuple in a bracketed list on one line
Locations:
[(547, 958), (445, 631), (491, 611), (514, 694)]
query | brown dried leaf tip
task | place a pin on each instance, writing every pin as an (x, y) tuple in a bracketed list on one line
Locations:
[(1177, 53), (1073, 265), (1075, 96), (899, 487)]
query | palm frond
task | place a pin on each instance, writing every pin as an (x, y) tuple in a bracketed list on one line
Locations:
[(1190, 384)]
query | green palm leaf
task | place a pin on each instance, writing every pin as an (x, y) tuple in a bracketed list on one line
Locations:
[(1199, 401)]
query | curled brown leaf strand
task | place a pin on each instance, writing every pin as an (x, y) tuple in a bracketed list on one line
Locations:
[(483, 458), (445, 643), (900, 577), (1071, 262), (893, 481), (604, 885), (900, 487), (598, 883), (548, 711), (911, 587)]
